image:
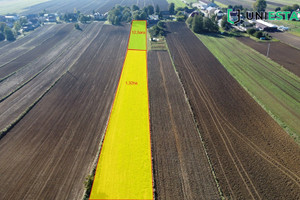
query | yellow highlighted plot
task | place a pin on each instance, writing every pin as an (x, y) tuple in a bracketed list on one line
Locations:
[(124, 169)]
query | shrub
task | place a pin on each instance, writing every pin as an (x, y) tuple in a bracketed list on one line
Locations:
[(258, 34), (9, 34), (251, 31), (77, 26)]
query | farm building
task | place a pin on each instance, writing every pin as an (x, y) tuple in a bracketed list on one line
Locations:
[(265, 26), (204, 6)]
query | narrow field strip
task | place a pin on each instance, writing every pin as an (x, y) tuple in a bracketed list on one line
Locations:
[(124, 169)]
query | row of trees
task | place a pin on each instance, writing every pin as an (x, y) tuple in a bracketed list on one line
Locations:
[(292, 8), (125, 14), (200, 24), (256, 33), (6, 32), (74, 17), (157, 30)]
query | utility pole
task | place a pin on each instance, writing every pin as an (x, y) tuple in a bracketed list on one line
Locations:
[(268, 50)]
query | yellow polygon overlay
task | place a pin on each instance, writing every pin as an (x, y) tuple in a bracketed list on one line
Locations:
[(124, 169)]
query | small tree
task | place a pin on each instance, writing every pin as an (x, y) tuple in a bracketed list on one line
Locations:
[(209, 25), (295, 7), (277, 9), (197, 24), (2, 26), (260, 5), (116, 20), (9, 34), (135, 7), (83, 19), (157, 10), (156, 31), (143, 15), (287, 8), (251, 31), (88, 184), (258, 34), (76, 25), (17, 26), (23, 21), (225, 24), (136, 15), (150, 10), (172, 9)]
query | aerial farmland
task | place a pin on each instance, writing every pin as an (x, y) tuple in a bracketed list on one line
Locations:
[(149, 100)]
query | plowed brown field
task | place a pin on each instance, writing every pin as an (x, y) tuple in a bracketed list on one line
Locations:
[(181, 167), (48, 154), (287, 38), (19, 91), (281, 53), (252, 156), (27, 57), (87, 6)]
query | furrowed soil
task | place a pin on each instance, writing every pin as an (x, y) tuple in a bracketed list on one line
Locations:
[(87, 6), (287, 38), (181, 167), (34, 53), (281, 53), (251, 154), (48, 154), (29, 83)]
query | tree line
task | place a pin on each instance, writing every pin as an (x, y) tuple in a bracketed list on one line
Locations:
[(125, 14), (6, 32)]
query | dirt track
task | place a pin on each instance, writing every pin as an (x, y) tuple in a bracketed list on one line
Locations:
[(181, 168), (252, 156), (283, 54), (50, 151)]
